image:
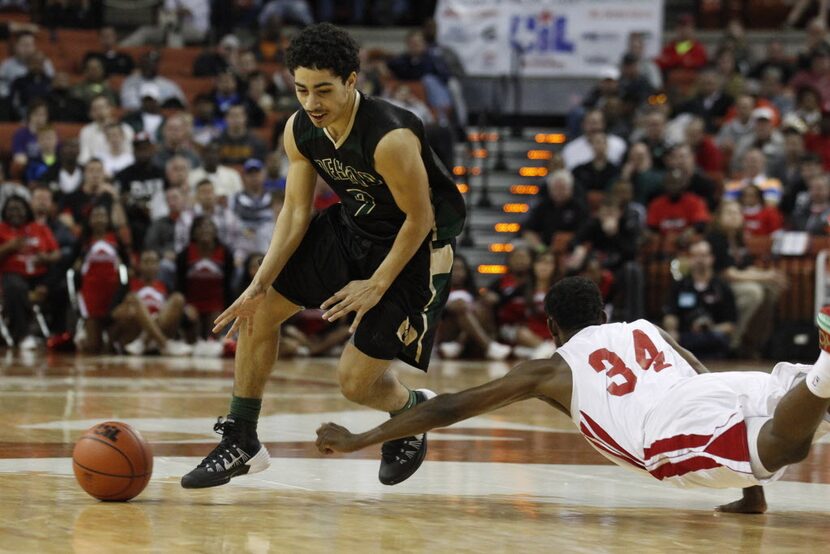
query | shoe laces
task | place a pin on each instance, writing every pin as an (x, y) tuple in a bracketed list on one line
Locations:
[(231, 436)]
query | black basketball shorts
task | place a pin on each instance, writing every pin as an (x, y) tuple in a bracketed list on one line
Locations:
[(403, 324)]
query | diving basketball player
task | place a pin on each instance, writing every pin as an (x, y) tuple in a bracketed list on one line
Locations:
[(645, 403), (384, 253)]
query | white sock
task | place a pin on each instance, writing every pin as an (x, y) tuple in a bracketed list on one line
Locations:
[(818, 378)]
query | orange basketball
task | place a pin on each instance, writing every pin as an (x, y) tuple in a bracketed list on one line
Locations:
[(112, 461)]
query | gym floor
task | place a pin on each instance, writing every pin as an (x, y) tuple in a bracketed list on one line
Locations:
[(517, 479)]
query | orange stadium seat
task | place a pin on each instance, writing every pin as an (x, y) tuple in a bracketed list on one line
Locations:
[(194, 86), (6, 132), (176, 62)]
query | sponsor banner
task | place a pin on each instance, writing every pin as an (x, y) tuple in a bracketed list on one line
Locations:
[(543, 38)]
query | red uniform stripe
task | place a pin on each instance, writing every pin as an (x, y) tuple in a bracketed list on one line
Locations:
[(603, 437), (677, 442), (677, 469), (731, 444)]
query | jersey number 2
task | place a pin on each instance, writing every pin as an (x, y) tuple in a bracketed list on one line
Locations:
[(647, 356)]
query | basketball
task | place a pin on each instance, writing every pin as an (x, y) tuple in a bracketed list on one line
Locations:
[(112, 461)]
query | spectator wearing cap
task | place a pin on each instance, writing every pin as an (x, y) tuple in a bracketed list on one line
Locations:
[(176, 141), (142, 187), (168, 93), (764, 137), (226, 180), (115, 62), (817, 77), (237, 143), (685, 51), (578, 151), (93, 135), (225, 57), (253, 207), (710, 102), (754, 173), (148, 118), (607, 87)]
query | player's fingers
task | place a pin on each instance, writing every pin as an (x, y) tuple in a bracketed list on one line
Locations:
[(333, 299), (235, 327), (339, 310), (221, 317), (357, 319)]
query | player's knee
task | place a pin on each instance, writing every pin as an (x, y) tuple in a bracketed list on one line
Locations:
[(352, 388)]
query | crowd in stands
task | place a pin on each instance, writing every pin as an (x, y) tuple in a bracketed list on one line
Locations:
[(135, 208), (160, 203), (687, 156)]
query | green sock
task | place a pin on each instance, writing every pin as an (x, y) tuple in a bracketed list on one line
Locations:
[(413, 399), (246, 409)]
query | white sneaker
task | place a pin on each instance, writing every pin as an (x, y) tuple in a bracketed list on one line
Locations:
[(523, 352), (176, 348), (208, 349), (29, 343), (498, 351), (544, 350), (450, 350), (136, 347)]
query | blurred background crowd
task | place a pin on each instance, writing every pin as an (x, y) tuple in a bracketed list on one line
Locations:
[(142, 172)]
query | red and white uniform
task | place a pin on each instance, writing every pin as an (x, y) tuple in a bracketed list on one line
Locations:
[(642, 406), (204, 286), (99, 277), (152, 294)]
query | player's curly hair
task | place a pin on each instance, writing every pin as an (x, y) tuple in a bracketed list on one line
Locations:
[(574, 303), (324, 46)]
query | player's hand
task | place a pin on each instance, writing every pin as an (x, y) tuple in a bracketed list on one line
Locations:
[(357, 296), (242, 311), (333, 438)]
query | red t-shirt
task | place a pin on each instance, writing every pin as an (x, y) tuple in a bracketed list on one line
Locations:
[(673, 56), (39, 239), (762, 220), (673, 217), (708, 156), (151, 293), (205, 281), (99, 276)]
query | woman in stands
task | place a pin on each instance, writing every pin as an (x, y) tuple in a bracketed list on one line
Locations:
[(204, 275), (760, 218), (465, 329), (27, 250), (24, 140), (756, 289), (533, 337)]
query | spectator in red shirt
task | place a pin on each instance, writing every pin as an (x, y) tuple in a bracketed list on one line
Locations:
[(685, 52), (676, 211), (707, 155), (760, 218), (27, 250)]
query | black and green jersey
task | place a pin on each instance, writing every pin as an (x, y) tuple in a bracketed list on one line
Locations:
[(349, 169)]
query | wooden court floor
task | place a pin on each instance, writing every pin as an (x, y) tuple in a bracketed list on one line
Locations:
[(517, 480)]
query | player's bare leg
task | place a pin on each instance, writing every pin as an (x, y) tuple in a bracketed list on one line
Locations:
[(240, 451), (752, 502), (368, 381), (787, 437)]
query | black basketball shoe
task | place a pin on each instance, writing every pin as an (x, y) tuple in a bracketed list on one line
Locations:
[(239, 453), (401, 458)]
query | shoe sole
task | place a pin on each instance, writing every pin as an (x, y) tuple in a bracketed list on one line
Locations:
[(422, 453), (260, 462)]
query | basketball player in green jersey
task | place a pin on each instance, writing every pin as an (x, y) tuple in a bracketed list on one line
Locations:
[(384, 254)]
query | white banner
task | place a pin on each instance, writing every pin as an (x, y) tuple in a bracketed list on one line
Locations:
[(544, 38)]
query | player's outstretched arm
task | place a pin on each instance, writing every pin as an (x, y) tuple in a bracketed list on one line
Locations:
[(525, 381), (292, 224)]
